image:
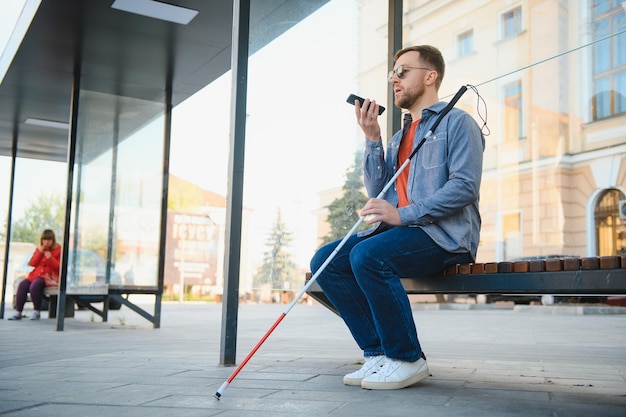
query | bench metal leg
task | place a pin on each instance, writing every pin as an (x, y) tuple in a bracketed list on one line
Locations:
[(52, 307)]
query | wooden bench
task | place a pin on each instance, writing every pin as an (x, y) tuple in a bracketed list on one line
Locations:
[(73, 295), (604, 275)]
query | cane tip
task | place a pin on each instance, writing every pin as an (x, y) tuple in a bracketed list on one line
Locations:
[(217, 396)]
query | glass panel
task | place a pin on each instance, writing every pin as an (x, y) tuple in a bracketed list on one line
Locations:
[(619, 21), (38, 204), (620, 92), (117, 192), (601, 57), (609, 59), (610, 227), (600, 6), (139, 183), (511, 22), (466, 43), (302, 137), (199, 157), (602, 98)]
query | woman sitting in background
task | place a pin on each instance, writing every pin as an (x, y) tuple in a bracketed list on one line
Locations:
[(46, 261)]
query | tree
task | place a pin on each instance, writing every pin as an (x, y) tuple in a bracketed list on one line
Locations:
[(277, 268), (343, 211), (46, 212)]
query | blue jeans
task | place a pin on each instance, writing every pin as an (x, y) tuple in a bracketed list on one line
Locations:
[(363, 283)]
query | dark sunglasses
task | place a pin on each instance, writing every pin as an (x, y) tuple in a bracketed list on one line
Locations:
[(401, 71)]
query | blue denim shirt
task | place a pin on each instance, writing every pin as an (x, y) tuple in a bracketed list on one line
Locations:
[(444, 178)]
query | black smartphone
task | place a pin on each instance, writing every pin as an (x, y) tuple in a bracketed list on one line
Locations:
[(353, 97)]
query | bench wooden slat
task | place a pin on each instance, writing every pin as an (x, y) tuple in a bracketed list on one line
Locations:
[(505, 267), (451, 270), (553, 265), (571, 264), (609, 262), (590, 263), (536, 266), (520, 266)]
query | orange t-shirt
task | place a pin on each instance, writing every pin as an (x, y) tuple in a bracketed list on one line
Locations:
[(406, 147)]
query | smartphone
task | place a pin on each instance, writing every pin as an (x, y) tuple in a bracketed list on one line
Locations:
[(353, 97)]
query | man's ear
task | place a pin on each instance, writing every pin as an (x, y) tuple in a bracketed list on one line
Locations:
[(432, 77)]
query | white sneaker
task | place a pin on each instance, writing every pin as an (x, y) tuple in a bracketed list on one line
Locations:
[(36, 315), (16, 316), (396, 374), (371, 364)]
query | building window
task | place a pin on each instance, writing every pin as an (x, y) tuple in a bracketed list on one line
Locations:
[(512, 235), (610, 225), (609, 59), (465, 43), (513, 121), (511, 22)]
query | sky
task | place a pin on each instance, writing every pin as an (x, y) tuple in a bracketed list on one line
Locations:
[(301, 134)]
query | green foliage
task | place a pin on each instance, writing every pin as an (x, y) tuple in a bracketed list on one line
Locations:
[(46, 212), (277, 268), (343, 211)]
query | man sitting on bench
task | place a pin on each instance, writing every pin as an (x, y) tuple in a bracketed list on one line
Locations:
[(428, 221)]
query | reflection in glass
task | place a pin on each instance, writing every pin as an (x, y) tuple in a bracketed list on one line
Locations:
[(117, 191), (555, 81)]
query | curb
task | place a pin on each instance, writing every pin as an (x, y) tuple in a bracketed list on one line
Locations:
[(570, 310)]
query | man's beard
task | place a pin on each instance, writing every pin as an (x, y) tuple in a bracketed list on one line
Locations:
[(408, 98), (404, 102)]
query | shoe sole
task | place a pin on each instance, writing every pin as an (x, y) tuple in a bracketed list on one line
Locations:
[(375, 385), (352, 381)]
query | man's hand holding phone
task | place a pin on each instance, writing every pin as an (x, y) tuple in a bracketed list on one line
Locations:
[(367, 113)]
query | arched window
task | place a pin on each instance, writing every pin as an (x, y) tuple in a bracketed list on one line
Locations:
[(610, 227)]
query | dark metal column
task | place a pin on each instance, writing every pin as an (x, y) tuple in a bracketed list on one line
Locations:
[(71, 160), (72, 141), (167, 139), (111, 237), (394, 36), (232, 255), (9, 217)]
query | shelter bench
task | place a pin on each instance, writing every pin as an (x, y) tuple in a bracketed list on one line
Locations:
[(605, 275), (110, 295), (73, 295)]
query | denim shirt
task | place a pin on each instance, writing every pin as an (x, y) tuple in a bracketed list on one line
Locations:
[(444, 178)]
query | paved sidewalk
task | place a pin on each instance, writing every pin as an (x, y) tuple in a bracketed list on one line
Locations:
[(500, 362)]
